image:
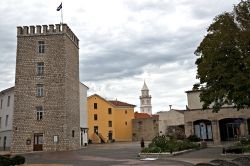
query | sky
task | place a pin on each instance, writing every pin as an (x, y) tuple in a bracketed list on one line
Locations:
[(122, 43)]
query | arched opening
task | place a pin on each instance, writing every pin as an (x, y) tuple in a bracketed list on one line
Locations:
[(203, 129), (230, 128), (248, 126)]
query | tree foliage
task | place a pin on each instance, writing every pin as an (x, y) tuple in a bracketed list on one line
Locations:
[(223, 63)]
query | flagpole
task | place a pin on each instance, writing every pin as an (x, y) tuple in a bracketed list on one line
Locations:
[(61, 15)]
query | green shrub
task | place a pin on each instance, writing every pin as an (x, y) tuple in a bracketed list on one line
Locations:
[(193, 138), (151, 150), (4, 161), (17, 160), (165, 144), (244, 141)]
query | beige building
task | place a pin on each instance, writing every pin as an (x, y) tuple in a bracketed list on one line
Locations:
[(171, 121), (228, 124), (145, 126), (46, 96)]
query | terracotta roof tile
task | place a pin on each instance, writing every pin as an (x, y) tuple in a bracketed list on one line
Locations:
[(120, 103)]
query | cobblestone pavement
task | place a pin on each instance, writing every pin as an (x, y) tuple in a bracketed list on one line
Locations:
[(115, 154), (120, 154)]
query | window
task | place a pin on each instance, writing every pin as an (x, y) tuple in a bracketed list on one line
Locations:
[(6, 120), (0, 122), (41, 47), (40, 68), (1, 103), (73, 133), (39, 90), (95, 116), (56, 139), (110, 110), (8, 103), (110, 123), (95, 105), (126, 111), (39, 113), (126, 123)]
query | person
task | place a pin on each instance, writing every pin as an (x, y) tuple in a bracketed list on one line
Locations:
[(142, 143)]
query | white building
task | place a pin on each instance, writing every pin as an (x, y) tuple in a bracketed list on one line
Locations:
[(6, 118), (83, 114), (145, 100)]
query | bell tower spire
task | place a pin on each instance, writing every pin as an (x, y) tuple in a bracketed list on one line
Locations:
[(145, 100)]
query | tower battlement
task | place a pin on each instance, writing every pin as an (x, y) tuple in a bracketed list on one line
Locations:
[(47, 30)]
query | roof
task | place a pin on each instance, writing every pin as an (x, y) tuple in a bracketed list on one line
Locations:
[(120, 103), (84, 85), (145, 87), (7, 90), (193, 91), (180, 111), (114, 103), (144, 116)]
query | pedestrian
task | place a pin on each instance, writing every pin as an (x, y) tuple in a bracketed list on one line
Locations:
[(142, 144)]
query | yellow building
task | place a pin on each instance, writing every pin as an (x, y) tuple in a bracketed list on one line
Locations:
[(109, 120)]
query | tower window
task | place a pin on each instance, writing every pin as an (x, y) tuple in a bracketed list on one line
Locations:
[(73, 133), (40, 68), (8, 103), (1, 103), (41, 47), (39, 90), (6, 120), (39, 113)]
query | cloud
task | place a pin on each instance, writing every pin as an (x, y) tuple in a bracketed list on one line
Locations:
[(122, 42)]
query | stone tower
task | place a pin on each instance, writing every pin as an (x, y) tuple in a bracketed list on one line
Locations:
[(46, 96), (145, 99)]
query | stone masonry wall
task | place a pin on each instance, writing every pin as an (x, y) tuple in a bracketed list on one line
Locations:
[(61, 89)]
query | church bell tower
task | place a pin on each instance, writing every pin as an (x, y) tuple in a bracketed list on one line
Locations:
[(145, 99)]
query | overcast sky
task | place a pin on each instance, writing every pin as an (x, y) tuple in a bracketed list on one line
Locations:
[(122, 43)]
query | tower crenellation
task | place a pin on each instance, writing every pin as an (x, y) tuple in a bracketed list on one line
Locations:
[(47, 30)]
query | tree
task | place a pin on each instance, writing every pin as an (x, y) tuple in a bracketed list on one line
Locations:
[(223, 63)]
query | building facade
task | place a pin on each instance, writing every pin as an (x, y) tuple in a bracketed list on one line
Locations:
[(6, 116), (171, 122), (145, 100), (145, 126), (46, 96), (109, 120), (226, 125), (83, 114)]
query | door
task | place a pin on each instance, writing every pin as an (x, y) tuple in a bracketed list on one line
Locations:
[(38, 142), (96, 129), (110, 136)]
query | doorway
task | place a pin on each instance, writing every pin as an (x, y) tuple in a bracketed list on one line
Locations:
[(38, 142), (4, 143), (96, 129), (230, 129), (110, 135), (203, 129)]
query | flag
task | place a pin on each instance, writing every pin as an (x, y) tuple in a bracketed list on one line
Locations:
[(59, 7)]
